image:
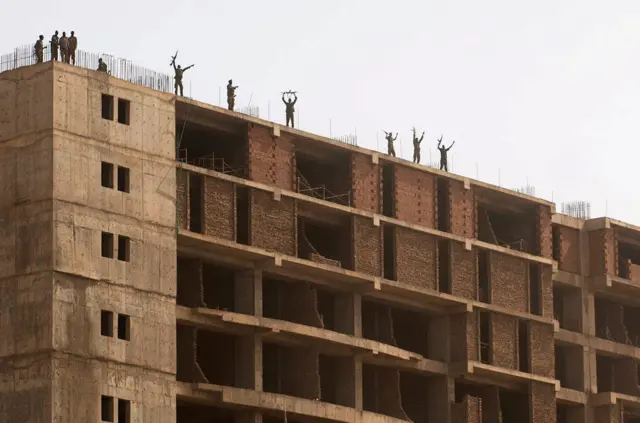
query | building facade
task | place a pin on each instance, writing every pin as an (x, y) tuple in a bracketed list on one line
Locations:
[(164, 260)]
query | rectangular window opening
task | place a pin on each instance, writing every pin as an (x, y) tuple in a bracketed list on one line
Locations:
[(106, 323), (107, 175), (196, 202), (124, 109), (523, 347), (124, 327), (484, 280), (123, 179), (444, 266), (243, 215), (106, 408), (388, 208), (124, 411), (107, 245), (444, 211), (107, 106), (485, 337), (124, 243), (389, 252), (535, 289)]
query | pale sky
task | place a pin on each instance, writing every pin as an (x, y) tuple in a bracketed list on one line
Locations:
[(544, 92)]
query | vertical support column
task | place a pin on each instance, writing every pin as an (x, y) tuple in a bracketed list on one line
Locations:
[(441, 396), (248, 292), (439, 339), (357, 365)]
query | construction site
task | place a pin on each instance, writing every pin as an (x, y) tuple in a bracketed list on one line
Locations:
[(170, 261)]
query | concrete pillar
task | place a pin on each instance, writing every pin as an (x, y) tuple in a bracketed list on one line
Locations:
[(439, 339), (248, 417), (359, 389), (440, 397), (347, 313), (248, 292), (248, 372)]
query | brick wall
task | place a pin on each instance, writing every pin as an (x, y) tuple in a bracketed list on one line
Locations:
[(388, 386), (464, 281), (273, 223), (469, 410), (602, 252), (543, 231), (509, 281), (546, 274), (366, 183), (542, 402), (464, 337), (367, 242), (300, 304), (607, 414), (300, 372), (504, 341), (219, 208), (415, 196), (416, 258), (541, 342), (463, 210), (569, 249), (271, 159), (626, 376), (182, 198)]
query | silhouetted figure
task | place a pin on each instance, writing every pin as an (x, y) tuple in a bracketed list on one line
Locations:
[(416, 146), (231, 95), (390, 139), (38, 49), (64, 47), (73, 46), (179, 73), (102, 66), (289, 104), (443, 154), (55, 43)]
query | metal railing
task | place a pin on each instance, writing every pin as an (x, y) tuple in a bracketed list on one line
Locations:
[(119, 68)]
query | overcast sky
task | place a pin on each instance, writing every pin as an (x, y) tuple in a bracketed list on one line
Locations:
[(544, 92)]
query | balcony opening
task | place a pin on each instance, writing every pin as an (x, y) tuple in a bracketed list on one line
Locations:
[(535, 289), (444, 201), (605, 373), (290, 371), (405, 329), (629, 261), (506, 226), (296, 302), (188, 412), (389, 252), (388, 190), (569, 366), (216, 357), (196, 202), (444, 266), (218, 287), (514, 406), (324, 242), (337, 380), (617, 322), (243, 215), (326, 306), (413, 396), (524, 351), (485, 337), (484, 276), (323, 173), (567, 308), (217, 147)]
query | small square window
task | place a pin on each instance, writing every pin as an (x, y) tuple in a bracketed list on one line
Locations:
[(124, 411), (123, 327), (123, 247), (107, 175), (107, 408), (124, 109), (107, 106), (123, 179), (106, 323), (107, 245)]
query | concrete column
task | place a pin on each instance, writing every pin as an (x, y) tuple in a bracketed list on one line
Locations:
[(439, 339), (346, 317), (248, 292), (248, 417), (359, 389), (249, 362), (441, 395), (590, 371)]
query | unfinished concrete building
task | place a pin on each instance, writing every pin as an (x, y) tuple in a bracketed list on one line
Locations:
[(164, 260)]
